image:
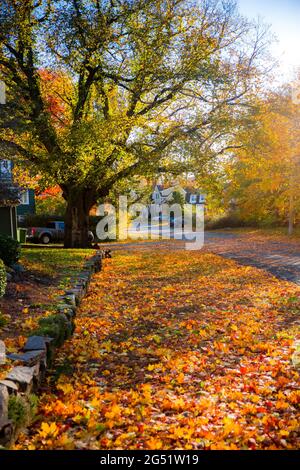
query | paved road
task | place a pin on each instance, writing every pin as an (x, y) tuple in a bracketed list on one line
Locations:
[(281, 259)]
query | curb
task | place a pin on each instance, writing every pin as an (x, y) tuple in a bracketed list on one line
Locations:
[(19, 387)]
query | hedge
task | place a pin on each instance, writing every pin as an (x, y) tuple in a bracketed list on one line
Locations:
[(10, 250)]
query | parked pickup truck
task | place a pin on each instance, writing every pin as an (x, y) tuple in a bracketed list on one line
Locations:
[(53, 232)]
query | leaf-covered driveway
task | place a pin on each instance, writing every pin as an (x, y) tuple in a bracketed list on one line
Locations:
[(278, 255), (176, 349)]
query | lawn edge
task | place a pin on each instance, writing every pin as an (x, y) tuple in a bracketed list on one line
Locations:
[(20, 386)]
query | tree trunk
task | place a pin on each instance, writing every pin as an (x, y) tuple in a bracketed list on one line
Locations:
[(79, 204), (291, 215)]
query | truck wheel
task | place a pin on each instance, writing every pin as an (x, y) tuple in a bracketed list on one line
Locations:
[(45, 239)]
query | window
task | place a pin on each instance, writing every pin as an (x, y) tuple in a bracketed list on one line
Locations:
[(193, 198), (201, 198), (5, 168), (61, 225), (25, 197)]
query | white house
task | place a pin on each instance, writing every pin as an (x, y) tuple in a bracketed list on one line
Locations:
[(163, 195)]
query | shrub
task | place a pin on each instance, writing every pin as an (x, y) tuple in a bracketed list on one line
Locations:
[(40, 220), (33, 401), (3, 320), (10, 250), (228, 221), (21, 410), (56, 326), (2, 279), (18, 410)]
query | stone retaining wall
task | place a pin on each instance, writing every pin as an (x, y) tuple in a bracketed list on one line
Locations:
[(19, 388)]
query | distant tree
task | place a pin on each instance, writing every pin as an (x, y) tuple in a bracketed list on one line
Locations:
[(178, 198), (99, 90), (50, 203), (264, 174)]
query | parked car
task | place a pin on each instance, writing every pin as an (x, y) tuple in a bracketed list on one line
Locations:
[(53, 232), (171, 219)]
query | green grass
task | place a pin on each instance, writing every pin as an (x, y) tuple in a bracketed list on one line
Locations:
[(51, 262)]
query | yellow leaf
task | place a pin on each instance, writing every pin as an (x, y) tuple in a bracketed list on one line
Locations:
[(231, 426), (156, 339), (48, 430), (66, 388)]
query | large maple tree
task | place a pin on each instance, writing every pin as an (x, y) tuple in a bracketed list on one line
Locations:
[(98, 91)]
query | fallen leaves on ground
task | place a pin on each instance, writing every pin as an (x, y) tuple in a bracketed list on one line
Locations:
[(31, 295), (176, 350)]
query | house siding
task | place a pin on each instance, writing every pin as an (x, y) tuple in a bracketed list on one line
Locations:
[(8, 221), (160, 196), (25, 209), (8, 215)]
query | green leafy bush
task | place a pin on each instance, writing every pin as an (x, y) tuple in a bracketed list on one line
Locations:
[(228, 221), (33, 401), (10, 250), (40, 220), (22, 410), (3, 320), (18, 410), (2, 279)]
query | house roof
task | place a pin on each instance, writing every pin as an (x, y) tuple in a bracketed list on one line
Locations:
[(167, 191)]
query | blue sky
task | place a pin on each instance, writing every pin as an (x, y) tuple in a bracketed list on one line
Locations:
[(284, 17)]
